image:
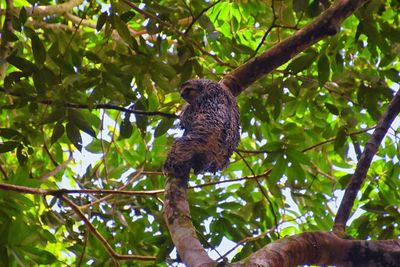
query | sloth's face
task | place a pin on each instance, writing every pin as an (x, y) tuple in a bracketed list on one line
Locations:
[(190, 90)]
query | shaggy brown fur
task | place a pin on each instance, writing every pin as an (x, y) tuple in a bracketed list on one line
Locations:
[(211, 124)]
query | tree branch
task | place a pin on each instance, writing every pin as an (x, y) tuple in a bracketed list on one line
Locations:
[(41, 11), (325, 25), (183, 234), (307, 148), (322, 248), (263, 192), (363, 164), (174, 30), (199, 16), (95, 106), (99, 237), (58, 192)]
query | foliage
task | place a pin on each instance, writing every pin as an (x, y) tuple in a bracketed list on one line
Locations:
[(59, 72)]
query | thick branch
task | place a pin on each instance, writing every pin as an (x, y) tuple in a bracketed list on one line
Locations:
[(321, 248), (183, 234), (325, 25), (363, 164)]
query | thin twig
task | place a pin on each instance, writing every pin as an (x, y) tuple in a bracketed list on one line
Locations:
[(94, 106), (308, 148), (56, 170), (334, 139), (99, 237), (85, 241), (262, 191), (199, 15), (103, 150), (58, 192), (136, 175), (172, 28), (263, 175), (46, 149), (254, 238), (267, 32), (3, 171)]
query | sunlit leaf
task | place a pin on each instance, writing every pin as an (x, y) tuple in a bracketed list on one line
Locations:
[(163, 127)]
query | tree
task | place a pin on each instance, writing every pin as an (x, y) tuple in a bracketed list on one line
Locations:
[(90, 102)]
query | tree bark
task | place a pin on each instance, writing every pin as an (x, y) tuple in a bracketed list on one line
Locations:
[(177, 217), (364, 163), (323, 248)]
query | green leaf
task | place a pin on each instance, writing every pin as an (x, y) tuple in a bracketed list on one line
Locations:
[(101, 21), (95, 146), (39, 52), (302, 62), (126, 128), (9, 36), (300, 5), (39, 256), (22, 155), (332, 108), (324, 70), (163, 127), (163, 68), (127, 16), (10, 134), (58, 131), (161, 80), (79, 121), (122, 30), (56, 115), (298, 157), (344, 180), (295, 173), (8, 146), (23, 15), (341, 138), (73, 135), (22, 64), (277, 171), (16, 23)]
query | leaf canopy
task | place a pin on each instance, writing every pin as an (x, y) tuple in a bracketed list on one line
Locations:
[(301, 126)]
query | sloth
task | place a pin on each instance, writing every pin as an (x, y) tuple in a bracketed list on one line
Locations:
[(210, 120)]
